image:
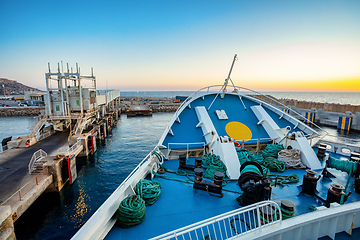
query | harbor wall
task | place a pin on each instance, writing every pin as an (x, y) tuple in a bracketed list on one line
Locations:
[(325, 113), (156, 107), (326, 118), (328, 107), (164, 107), (20, 111)]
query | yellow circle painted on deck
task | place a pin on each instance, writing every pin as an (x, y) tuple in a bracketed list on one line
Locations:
[(238, 131)]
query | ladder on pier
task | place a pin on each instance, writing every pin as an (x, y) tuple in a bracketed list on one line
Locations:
[(36, 126), (36, 164)]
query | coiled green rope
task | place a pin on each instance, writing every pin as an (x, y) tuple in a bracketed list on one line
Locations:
[(274, 165), (243, 157), (282, 180), (131, 211), (148, 190), (272, 150), (213, 164), (254, 157)]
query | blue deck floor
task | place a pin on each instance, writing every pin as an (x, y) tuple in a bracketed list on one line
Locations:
[(179, 205)]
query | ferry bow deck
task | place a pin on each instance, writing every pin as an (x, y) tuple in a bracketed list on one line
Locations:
[(210, 122), (180, 205)]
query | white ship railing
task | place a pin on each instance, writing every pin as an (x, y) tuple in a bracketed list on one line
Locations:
[(228, 225), (187, 147), (240, 91), (39, 154), (237, 90)]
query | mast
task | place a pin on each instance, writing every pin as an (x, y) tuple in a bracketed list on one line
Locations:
[(228, 78)]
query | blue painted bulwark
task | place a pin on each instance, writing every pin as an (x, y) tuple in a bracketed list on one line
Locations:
[(310, 117), (344, 123)]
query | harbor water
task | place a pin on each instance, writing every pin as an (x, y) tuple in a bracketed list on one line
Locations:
[(352, 98), (60, 215)]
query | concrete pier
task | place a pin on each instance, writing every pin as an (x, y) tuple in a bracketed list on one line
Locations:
[(19, 188), (325, 113), (325, 118)]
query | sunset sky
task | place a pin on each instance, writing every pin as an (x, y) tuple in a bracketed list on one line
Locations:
[(282, 45)]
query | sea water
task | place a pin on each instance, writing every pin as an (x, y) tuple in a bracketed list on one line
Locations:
[(352, 98), (60, 215), (14, 126)]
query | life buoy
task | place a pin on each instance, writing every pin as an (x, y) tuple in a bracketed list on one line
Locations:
[(237, 144)]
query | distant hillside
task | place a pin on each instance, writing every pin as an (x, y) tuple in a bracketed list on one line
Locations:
[(13, 87)]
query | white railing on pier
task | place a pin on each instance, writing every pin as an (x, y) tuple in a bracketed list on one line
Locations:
[(70, 150), (39, 154), (74, 147), (46, 135), (230, 224)]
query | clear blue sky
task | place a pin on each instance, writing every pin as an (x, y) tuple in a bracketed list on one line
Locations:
[(184, 45)]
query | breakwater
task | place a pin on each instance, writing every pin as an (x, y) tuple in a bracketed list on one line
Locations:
[(329, 107), (20, 111)]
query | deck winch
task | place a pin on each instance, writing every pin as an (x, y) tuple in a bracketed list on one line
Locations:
[(213, 187), (256, 187), (335, 193), (355, 157)]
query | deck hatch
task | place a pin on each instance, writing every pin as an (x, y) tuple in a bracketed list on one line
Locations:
[(221, 114)]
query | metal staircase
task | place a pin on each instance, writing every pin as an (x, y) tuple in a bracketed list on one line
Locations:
[(36, 164), (36, 126)]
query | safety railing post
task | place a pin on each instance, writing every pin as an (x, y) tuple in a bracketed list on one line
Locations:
[(258, 215)]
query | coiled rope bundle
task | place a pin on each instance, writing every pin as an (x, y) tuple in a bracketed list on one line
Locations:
[(272, 150), (131, 211), (148, 190), (213, 164), (291, 158), (282, 180), (273, 164), (254, 157)]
